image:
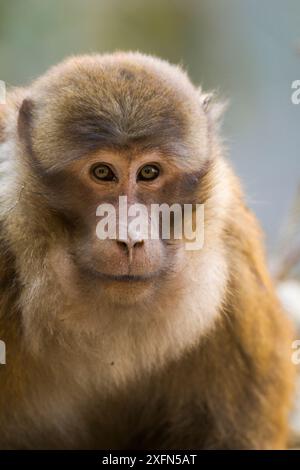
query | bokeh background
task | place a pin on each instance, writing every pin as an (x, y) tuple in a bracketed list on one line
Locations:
[(246, 49)]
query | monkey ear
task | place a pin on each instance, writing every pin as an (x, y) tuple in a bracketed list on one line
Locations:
[(25, 122), (213, 107)]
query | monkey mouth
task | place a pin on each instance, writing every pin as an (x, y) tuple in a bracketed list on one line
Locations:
[(121, 277), (125, 277)]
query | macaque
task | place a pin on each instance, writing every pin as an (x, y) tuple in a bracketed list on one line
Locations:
[(132, 342)]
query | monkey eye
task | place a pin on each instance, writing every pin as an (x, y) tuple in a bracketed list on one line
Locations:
[(148, 173), (102, 172)]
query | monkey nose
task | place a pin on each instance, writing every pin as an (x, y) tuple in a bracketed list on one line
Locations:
[(129, 245)]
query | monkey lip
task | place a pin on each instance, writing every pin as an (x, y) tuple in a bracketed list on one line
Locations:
[(127, 277), (94, 273), (124, 277)]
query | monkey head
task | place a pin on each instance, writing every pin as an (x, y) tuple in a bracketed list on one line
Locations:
[(97, 128)]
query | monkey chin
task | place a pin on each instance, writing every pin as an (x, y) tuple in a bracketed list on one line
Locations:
[(129, 294), (126, 290)]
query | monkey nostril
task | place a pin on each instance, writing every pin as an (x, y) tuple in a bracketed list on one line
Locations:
[(137, 243), (123, 245), (129, 244)]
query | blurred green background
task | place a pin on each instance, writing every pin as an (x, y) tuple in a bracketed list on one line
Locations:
[(247, 49)]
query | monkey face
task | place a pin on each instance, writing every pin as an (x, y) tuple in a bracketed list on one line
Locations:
[(134, 259)]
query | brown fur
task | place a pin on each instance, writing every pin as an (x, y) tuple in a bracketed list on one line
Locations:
[(197, 356)]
